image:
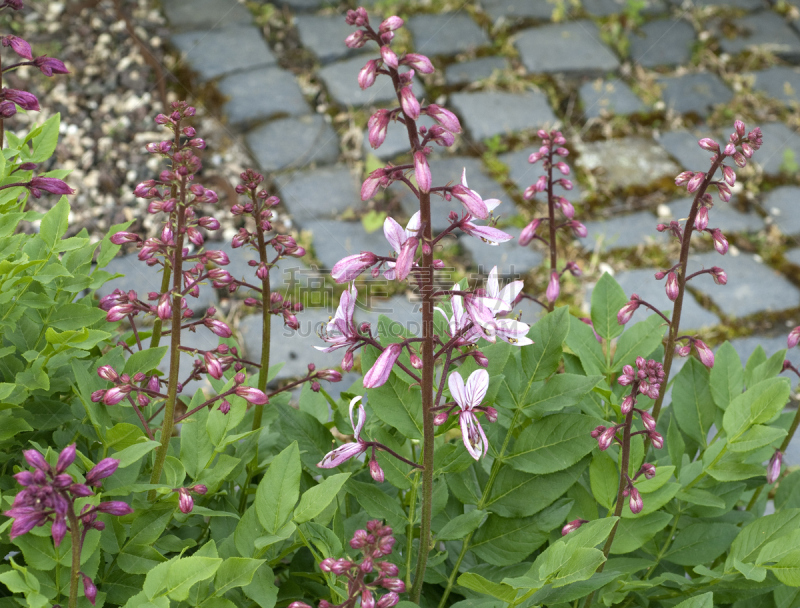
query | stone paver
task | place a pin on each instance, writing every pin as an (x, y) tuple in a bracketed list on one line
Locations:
[(643, 283), (405, 315), (605, 8), (295, 349), (567, 47), (783, 206), (334, 240), (793, 256), (749, 5), (144, 279), (305, 5), (666, 42), (324, 36), (694, 93), (779, 82), (518, 9), (621, 232), (261, 94), (780, 152), (224, 51), (341, 80), (611, 96), (523, 174), (753, 287), (511, 259), (771, 345), (396, 141), (477, 69), (324, 192), (682, 145), (722, 216), (630, 161), (196, 14), (312, 140), (490, 113), (446, 34), (766, 30)]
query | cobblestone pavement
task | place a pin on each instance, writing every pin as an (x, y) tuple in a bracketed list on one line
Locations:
[(633, 89)]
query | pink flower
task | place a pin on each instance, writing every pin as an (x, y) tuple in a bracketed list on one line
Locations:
[(350, 267), (349, 450), (473, 203), (185, 501), (527, 234), (572, 526), (794, 337), (25, 100), (19, 46), (405, 260), (704, 353), (469, 396), (636, 503), (444, 117), (720, 242), (420, 63), (367, 75), (460, 324), (626, 312), (397, 237), (422, 171), (379, 373), (488, 234), (50, 65), (378, 126), (251, 395)]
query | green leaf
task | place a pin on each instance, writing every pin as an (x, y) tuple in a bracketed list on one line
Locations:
[(700, 497), (559, 392), (607, 298), (756, 437), (698, 601), (755, 535), (44, 143), (279, 489), (604, 479), (758, 404), (701, 543), (139, 559), (398, 406), (315, 500), (541, 359), (582, 342), (377, 503), (235, 572), (373, 220), (787, 570), (727, 376), (75, 316), (186, 572), (639, 341), (633, 533), (262, 590), (145, 360), (768, 369), (676, 446), (54, 223), (135, 453), (553, 443), (461, 525), (196, 447), (750, 571), (479, 584), (692, 402), (313, 439), (581, 565)]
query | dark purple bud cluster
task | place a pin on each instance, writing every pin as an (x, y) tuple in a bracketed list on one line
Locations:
[(375, 542), (552, 146), (49, 495)]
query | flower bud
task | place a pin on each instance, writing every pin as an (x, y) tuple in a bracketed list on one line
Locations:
[(572, 526), (671, 286), (89, 589), (527, 234), (720, 242), (774, 467), (701, 219), (636, 503), (704, 353), (375, 470), (553, 287)]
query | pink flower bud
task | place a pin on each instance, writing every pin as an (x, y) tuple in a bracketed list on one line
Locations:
[(719, 275), (740, 128), (416, 362), (648, 421), (409, 103), (627, 404), (606, 438), (794, 337), (553, 287), (572, 526), (566, 208), (440, 418), (389, 57), (356, 40), (720, 242), (626, 312), (367, 599), (708, 144), (636, 503), (114, 507), (106, 372), (701, 219), (225, 406), (491, 414), (125, 237), (656, 439), (350, 267), (704, 353), (578, 229), (390, 599), (671, 286), (251, 395), (683, 178), (390, 24), (729, 175), (367, 75), (597, 431), (444, 117), (420, 63), (89, 589), (694, 183), (648, 470), (422, 172), (375, 470), (774, 467), (185, 501)]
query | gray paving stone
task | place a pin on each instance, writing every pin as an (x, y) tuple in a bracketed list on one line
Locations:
[(195, 14), (311, 140), (722, 216), (793, 256), (396, 141), (565, 47), (307, 5), (771, 345), (448, 169), (779, 82), (477, 69), (752, 287), (405, 315), (766, 30), (783, 206), (324, 35), (643, 283), (143, 279), (621, 232), (320, 193), (665, 42), (780, 152), (605, 8), (446, 34), (748, 5), (519, 9), (261, 94), (694, 93), (334, 240), (612, 96), (511, 259), (341, 80), (682, 145), (523, 174), (489, 113), (295, 349), (630, 161), (224, 51)]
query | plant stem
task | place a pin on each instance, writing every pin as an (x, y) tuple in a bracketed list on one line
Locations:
[(786, 441), (174, 346), (75, 570), (551, 209), (410, 531), (675, 321)]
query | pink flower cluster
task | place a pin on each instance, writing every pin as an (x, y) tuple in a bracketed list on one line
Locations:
[(376, 542)]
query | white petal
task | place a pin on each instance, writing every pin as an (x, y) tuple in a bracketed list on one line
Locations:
[(477, 385), (457, 389)]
